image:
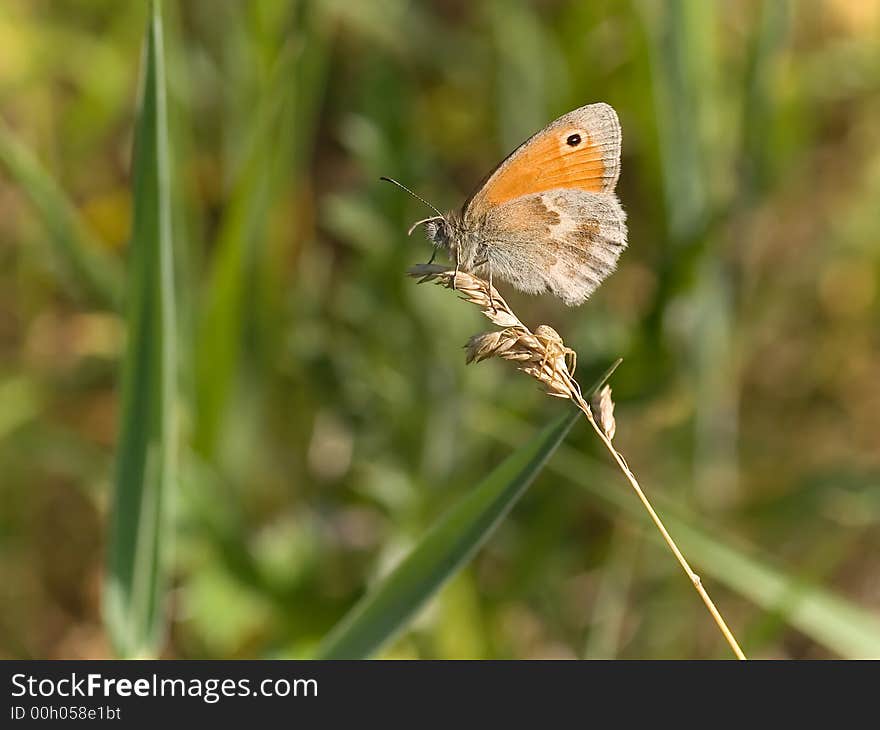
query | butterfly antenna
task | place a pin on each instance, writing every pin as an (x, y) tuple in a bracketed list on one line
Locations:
[(417, 197)]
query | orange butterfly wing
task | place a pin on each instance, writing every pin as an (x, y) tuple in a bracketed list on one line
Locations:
[(579, 150)]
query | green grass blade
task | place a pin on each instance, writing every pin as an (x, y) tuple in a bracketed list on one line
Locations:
[(448, 546), (77, 250), (238, 322), (139, 540), (239, 244), (827, 618), (759, 103), (683, 56)]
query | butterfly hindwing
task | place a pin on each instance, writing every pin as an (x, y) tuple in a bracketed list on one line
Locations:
[(565, 241)]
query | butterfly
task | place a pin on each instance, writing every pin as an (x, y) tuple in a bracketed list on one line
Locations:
[(547, 218)]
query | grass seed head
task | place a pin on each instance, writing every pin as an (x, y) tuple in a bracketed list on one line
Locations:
[(542, 354)]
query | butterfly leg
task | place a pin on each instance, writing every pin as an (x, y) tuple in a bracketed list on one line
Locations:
[(488, 263), (491, 288), (433, 255), (455, 273)]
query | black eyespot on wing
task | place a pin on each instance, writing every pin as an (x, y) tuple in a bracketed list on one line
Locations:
[(573, 140)]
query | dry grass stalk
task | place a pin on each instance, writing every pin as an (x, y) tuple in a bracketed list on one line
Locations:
[(543, 355)]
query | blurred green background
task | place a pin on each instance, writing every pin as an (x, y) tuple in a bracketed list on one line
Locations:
[(326, 416)]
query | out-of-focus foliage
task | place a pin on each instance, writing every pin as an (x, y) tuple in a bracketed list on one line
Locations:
[(327, 418)]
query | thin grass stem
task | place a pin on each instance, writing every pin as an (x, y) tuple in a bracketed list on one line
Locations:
[(543, 355)]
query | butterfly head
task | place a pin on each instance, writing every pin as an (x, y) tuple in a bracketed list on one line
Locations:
[(440, 229)]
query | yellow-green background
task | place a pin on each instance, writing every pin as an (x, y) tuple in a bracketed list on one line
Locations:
[(326, 415)]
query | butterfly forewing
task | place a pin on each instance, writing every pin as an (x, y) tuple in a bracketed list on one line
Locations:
[(580, 150)]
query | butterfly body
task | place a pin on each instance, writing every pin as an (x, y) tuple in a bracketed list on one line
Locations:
[(564, 241), (547, 218)]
